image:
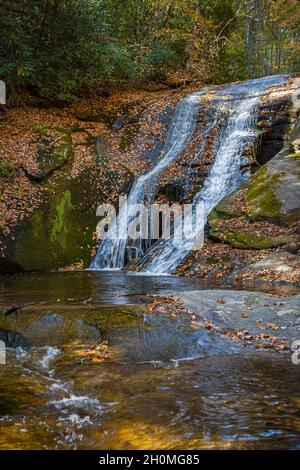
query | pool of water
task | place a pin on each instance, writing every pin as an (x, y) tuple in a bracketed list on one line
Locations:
[(157, 381), (104, 287)]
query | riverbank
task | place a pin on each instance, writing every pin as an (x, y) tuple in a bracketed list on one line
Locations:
[(255, 320)]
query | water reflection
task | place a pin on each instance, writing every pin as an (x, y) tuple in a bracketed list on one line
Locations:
[(164, 385), (108, 287)]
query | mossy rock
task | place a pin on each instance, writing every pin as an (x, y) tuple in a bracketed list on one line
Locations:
[(60, 232), (248, 239), (271, 195), (262, 201), (53, 152), (7, 170)]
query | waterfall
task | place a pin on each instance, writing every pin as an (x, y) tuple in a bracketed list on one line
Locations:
[(239, 102), (112, 251)]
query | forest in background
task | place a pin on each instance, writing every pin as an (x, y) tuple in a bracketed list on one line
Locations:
[(59, 50)]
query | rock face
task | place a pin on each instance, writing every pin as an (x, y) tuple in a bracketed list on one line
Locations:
[(62, 165), (185, 176), (265, 211), (56, 189), (59, 230), (277, 117)]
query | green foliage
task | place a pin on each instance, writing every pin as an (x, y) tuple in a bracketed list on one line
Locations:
[(42, 129), (233, 59), (55, 49), (7, 169)]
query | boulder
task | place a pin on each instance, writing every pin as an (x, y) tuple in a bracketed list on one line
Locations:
[(59, 231)]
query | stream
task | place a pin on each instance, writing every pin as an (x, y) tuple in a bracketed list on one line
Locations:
[(160, 383)]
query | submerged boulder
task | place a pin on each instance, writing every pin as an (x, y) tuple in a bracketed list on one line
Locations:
[(48, 329)]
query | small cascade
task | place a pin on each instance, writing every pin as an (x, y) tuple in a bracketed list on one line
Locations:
[(241, 101), (233, 110), (112, 251)]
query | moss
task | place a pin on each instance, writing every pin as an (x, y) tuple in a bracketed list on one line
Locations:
[(72, 220), (294, 150), (60, 232), (217, 214), (42, 129), (244, 239), (58, 227), (261, 195), (212, 260), (7, 169), (31, 248), (128, 137)]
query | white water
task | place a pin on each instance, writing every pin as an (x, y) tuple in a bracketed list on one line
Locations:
[(72, 412), (240, 103), (112, 251)]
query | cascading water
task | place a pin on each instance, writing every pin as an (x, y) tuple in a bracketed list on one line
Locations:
[(112, 251), (239, 102)]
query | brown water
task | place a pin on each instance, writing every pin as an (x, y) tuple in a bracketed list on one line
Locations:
[(161, 383)]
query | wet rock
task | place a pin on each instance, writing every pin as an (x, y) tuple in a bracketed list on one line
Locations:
[(272, 195), (119, 123), (14, 340), (150, 145), (255, 312), (55, 330)]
